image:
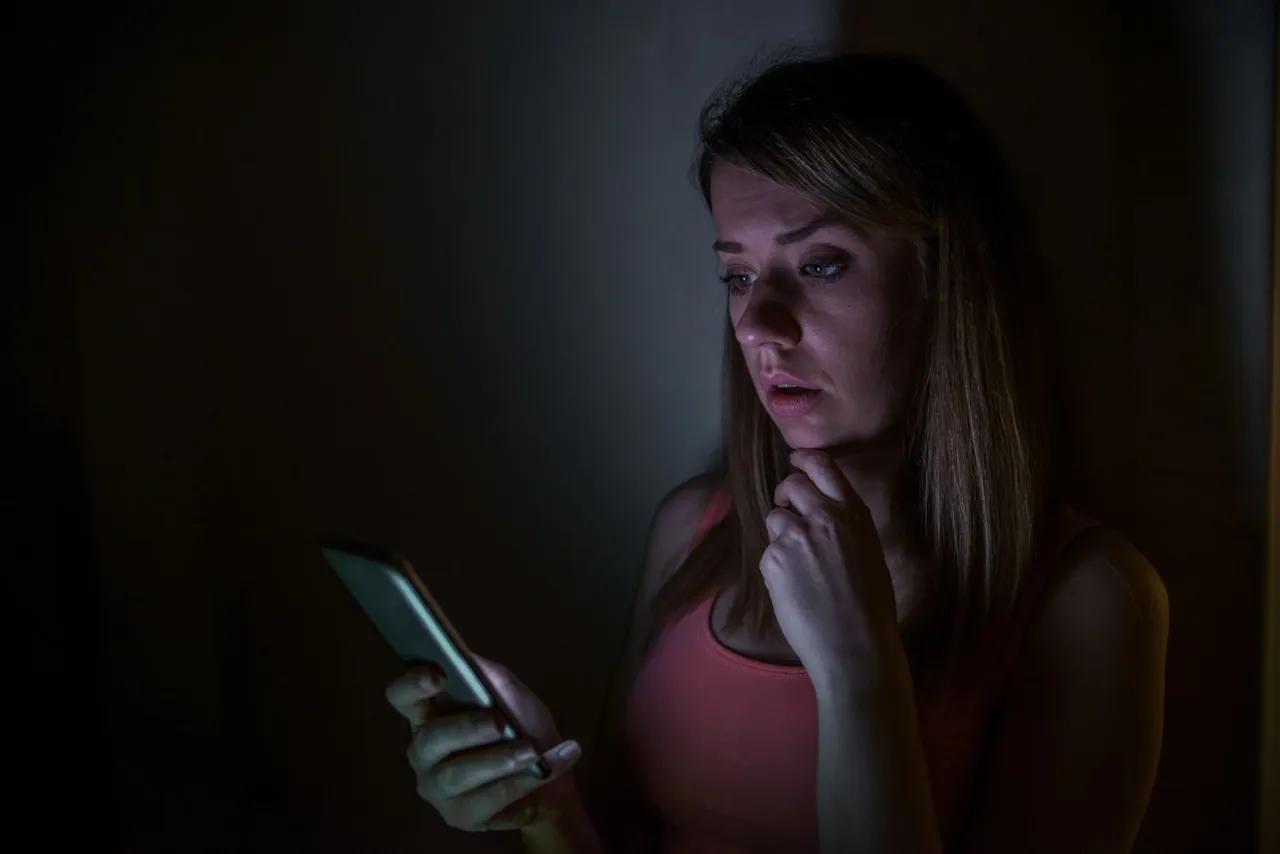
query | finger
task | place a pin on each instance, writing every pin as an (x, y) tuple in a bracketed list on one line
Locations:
[(797, 493), (453, 733), (492, 669), (779, 521), (463, 772), (409, 694), (499, 677), (500, 806), (825, 475), (506, 684)]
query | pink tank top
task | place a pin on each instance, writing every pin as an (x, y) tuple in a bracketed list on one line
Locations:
[(726, 747)]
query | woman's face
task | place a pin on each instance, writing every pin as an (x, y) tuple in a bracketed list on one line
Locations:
[(835, 306)]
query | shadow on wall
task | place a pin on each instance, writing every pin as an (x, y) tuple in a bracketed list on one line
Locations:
[(1104, 112)]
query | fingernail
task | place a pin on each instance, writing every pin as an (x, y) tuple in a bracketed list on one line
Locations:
[(569, 750), (429, 681)]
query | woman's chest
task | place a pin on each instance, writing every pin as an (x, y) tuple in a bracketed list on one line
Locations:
[(728, 748), (738, 640)]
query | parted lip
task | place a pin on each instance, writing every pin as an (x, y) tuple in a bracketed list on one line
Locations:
[(773, 380)]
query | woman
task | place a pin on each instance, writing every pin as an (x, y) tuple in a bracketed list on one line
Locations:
[(880, 629)]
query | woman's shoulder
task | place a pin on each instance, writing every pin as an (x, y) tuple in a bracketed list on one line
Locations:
[(678, 519), (1103, 587), (688, 499)]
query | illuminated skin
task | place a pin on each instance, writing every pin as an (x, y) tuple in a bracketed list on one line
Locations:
[(838, 307), (1071, 765)]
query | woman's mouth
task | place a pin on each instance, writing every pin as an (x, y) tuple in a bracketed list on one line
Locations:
[(787, 401)]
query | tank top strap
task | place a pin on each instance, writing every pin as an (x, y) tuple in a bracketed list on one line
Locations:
[(717, 508), (1063, 525)]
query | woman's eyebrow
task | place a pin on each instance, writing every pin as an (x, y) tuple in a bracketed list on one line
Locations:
[(787, 236)]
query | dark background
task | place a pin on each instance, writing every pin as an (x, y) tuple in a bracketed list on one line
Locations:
[(433, 275)]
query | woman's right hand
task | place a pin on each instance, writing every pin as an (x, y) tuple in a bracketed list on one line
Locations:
[(466, 770)]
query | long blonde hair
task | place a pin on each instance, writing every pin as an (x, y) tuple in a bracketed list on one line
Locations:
[(885, 142)]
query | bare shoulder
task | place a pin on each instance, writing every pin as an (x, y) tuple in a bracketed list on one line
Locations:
[(685, 502), (675, 521), (1105, 594)]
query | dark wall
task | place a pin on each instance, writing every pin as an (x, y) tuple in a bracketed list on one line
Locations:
[(55, 702), (432, 275)]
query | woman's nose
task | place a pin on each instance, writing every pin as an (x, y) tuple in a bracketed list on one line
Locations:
[(768, 318)]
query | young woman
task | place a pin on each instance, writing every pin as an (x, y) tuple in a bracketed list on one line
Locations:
[(879, 628)]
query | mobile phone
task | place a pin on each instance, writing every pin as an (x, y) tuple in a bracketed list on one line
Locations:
[(385, 586)]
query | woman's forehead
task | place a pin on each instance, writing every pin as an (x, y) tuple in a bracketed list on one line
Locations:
[(744, 199), (736, 185)]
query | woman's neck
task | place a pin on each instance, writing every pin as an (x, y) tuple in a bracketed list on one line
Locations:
[(877, 471)]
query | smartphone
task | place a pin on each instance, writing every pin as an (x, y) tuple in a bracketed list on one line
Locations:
[(385, 586)]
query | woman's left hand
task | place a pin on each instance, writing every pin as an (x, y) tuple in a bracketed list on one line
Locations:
[(825, 568)]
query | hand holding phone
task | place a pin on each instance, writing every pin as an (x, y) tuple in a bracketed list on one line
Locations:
[(468, 771), (478, 733)]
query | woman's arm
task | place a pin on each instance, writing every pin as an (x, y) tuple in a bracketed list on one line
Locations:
[(1078, 741), (1077, 737), (873, 785)]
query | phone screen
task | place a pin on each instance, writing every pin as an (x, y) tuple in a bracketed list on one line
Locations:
[(411, 621)]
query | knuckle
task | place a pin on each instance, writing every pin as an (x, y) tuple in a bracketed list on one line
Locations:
[(415, 755), (521, 754), (508, 790), (447, 779), (394, 692), (419, 749)]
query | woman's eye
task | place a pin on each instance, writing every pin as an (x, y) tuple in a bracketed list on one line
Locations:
[(827, 271), (823, 270), (737, 283)]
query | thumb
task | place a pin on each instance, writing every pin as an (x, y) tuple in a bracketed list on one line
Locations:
[(562, 757), (531, 809), (511, 692), (492, 669), (502, 679)]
